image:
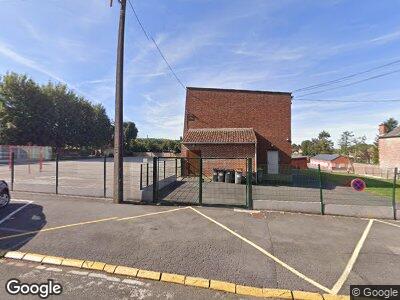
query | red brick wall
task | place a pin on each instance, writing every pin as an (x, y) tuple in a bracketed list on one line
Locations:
[(299, 163), (389, 152), (239, 151), (268, 113)]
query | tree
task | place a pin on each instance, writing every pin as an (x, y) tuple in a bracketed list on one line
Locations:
[(345, 142), (323, 144), (307, 148), (130, 131), (295, 148), (391, 124), (25, 115), (50, 114)]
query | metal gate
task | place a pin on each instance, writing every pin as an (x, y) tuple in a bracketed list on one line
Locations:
[(203, 181)]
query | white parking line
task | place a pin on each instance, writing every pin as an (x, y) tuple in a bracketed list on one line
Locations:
[(266, 253), (15, 211), (338, 285), (388, 223)]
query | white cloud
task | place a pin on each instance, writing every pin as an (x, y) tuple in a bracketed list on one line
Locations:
[(6, 51)]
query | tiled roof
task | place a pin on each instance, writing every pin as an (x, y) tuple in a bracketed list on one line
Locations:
[(220, 136), (327, 157), (394, 133)]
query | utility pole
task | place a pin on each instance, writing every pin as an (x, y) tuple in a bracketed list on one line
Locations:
[(118, 126)]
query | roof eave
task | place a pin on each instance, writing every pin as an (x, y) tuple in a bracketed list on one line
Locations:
[(236, 90), (217, 143)]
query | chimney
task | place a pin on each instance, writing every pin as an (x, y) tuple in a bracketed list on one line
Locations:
[(382, 129)]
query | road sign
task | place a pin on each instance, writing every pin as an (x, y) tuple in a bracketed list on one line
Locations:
[(358, 184)]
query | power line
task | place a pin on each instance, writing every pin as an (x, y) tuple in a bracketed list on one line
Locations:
[(341, 79), (352, 83), (348, 101), (150, 38), (138, 20)]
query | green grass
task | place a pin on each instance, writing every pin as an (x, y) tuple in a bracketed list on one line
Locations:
[(376, 186)]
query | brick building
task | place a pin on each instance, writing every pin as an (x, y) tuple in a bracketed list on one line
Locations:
[(226, 123), (389, 147)]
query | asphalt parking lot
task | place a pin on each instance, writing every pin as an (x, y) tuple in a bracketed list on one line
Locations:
[(313, 253)]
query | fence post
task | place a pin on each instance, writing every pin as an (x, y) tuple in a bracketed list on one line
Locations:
[(12, 170), (396, 170), (321, 196), (201, 181), (147, 174), (140, 179), (164, 164), (105, 176), (57, 173), (249, 177), (155, 181)]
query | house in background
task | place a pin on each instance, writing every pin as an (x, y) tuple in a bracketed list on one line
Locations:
[(389, 147), (228, 123), (299, 162), (330, 162)]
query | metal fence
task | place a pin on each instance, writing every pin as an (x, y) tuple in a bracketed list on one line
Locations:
[(209, 181), (204, 181), (317, 191), (80, 176)]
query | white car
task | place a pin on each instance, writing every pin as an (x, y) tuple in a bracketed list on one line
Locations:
[(4, 194)]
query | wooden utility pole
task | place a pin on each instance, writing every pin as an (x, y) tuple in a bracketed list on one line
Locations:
[(118, 126)]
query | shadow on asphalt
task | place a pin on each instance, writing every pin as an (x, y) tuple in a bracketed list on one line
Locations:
[(21, 227)]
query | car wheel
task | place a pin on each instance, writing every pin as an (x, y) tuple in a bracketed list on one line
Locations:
[(4, 199)]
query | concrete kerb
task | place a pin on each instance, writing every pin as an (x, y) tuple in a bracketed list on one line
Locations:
[(224, 286)]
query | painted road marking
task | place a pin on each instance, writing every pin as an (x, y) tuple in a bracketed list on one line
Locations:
[(192, 281), (388, 223), (56, 228), (15, 211), (88, 222), (277, 260), (152, 214), (338, 285)]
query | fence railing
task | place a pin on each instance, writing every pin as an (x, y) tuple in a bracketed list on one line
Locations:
[(315, 190), (203, 181), (206, 181)]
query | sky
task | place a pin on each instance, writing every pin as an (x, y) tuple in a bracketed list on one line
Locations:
[(242, 44)]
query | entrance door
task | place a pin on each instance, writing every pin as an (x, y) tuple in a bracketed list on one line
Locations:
[(273, 162), (193, 162)]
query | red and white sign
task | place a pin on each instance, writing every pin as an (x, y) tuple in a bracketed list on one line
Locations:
[(358, 184)]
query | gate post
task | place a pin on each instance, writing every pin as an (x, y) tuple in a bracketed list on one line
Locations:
[(396, 170), (57, 173), (201, 181), (105, 176), (321, 197), (249, 183), (155, 179), (164, 165), (141, 179), (12, 169)]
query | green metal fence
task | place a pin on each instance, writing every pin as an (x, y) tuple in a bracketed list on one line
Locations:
[(320, 190), (207, 181), (204, 181)]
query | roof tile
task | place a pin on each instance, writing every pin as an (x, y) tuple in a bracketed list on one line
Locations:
[(220, 136)]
